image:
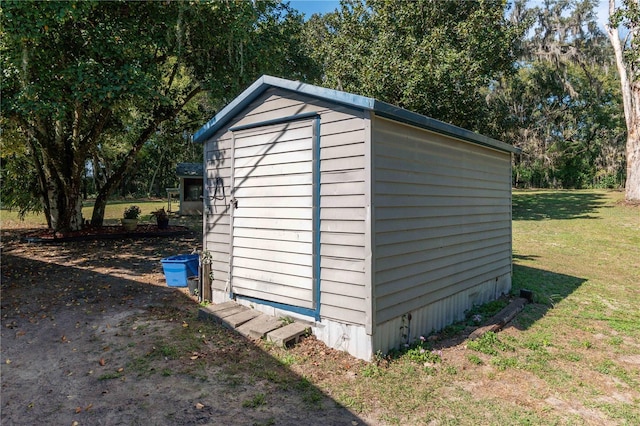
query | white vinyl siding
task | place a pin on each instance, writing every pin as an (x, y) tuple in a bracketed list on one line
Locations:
[(273, 229), (442, 217), (342, 192)]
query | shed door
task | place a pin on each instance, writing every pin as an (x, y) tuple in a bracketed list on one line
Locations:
[(272, 226)]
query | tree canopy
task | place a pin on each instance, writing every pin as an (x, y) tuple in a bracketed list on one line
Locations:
[(435, 58), (80, 76), (120, 85)]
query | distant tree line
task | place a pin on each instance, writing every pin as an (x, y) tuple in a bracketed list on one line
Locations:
[(99, 98)]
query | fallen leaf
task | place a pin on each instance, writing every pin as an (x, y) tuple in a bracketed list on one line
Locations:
[(120, 370), (199, 406), (78, 410), (184, 324), (194, 357), (102, 362), (88, 407), (8, 361)]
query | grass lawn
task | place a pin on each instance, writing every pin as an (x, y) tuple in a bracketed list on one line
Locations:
[(112, 216), (570, 358)]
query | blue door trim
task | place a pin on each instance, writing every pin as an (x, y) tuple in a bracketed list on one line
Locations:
[(315, 311)]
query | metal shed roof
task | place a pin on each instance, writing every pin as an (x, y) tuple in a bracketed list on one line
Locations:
[(382, 109), (189, 169)]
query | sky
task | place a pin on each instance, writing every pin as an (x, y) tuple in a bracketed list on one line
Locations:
[(309, 7)]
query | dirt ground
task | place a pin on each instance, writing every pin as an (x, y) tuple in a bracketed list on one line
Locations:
[(91, 335)]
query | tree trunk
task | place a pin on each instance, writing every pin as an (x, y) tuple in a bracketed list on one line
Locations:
[(632, 186), (630, 85), (97, 217)]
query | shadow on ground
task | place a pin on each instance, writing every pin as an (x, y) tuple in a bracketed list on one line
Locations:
[(90, 334), (548, 288), (540, 205)]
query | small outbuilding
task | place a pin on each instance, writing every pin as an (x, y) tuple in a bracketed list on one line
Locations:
[(373, 223), (191, 188)]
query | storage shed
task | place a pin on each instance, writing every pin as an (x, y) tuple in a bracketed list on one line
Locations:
[(369, 221), (191, 187)]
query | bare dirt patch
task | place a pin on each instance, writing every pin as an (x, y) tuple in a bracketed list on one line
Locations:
[(91, 335)]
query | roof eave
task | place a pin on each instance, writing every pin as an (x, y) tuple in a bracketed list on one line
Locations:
[(361, 102), (393, 112)]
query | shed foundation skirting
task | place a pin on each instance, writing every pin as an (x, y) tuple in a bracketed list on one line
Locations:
[(353, 338), (438, 315), (350, 338)]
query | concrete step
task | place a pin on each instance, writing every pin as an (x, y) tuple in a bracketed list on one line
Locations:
[(236, 320), (258, 327), (288, 335), (251, 323)]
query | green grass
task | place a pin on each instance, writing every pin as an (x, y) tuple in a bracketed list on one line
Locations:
[(579, 252), (559, 361), (113, 214)]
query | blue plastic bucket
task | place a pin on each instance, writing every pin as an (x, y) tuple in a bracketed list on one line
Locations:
[(178, 268)]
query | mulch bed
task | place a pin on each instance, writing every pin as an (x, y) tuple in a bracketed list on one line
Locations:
[(90, 233)]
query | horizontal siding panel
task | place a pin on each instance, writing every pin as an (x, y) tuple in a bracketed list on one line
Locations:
[(356, 265), (342, 188), (281, 246), (266, 212), (342, 201), (467, 211), (342, 176), (352, 213), (349, 163), (347, 315), (341, 126), (402, 303), (298, 145), (218, 247), (305, 201), (278, 223), (218, 219), (348, 226), (262, 139), (284, 159), (441, 201), (434, 189), (347, 252), (430, 241), (266, 265), (351, 277), (272, 191), (295, 297), (479, 222), (353, 150), (223, 172), (273, 256), (342, 239), (274, 235), (417, 177), (291, 179), (344, 138), (271, 277), (441, 247), (394, 268), (445, 272), (439, 156), (272, 170), (336, 287), (342, 300), (337, 113)]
